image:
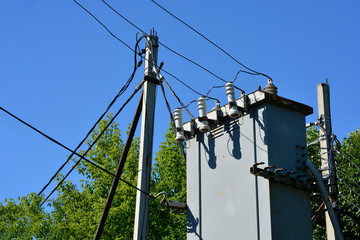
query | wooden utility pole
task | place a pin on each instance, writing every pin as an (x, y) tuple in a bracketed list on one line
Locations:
[(146, 139), (326, 151)]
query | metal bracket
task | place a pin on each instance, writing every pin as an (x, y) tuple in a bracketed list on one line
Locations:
[(170, 204), (287, 178), (151, 79)]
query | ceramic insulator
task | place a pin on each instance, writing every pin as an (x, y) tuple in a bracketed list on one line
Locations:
[(230, 93), (179, 125), (204, 127)]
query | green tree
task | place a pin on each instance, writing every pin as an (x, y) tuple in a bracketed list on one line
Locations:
[(348, 172), (76, 210), (25, 219)]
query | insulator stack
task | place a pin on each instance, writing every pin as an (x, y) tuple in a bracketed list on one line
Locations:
[(230, 93), (204, 127), (179, 125)]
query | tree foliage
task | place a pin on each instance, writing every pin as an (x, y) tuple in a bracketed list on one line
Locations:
[(348, 176), (76, 210)]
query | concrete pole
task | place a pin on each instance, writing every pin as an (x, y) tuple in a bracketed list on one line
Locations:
[(326, 151), (146, 139)]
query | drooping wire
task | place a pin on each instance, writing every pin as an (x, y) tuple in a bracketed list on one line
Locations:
[(112, 34), (181, 147), (122, 90), (55, 141), (348, 200), (348, 159), (350, 178), (177, 98), (350, 188), (168, 48), (93, 143), (73, 152), (207, 39), (250, 73), (205, 96), (103, 25)]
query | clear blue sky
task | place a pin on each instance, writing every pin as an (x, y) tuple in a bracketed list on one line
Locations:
[(59, 68)]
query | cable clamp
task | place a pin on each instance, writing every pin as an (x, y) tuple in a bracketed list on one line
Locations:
[(152, 80)]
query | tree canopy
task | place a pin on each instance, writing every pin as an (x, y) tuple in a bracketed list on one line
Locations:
[(347, 162), (76, 210)]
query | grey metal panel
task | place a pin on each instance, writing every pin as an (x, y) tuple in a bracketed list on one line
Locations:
[(291, 216), (225, 201), (261, 155), (193, 191), (228, 202)]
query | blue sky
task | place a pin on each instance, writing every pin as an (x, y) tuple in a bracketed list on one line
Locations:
[(59, 69)]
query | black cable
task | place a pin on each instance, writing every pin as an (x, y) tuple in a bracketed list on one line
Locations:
[(183, 83), (122, 90), (134, 50), (181, 147), (93, 143), (221, 49), (104, 26), (177, 98), (180, 55), (55, 141)]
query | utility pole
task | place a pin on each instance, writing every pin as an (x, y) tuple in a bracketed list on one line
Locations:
[(146, 138), (326, 150)]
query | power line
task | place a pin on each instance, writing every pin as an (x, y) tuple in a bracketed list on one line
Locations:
[(104, 26), (349, 178), (177, 98), (55, 141), (351, 189), (348, 159), (122, 90), (168, 48), (348, 200), (93, 143), (73, 152), (112, 34), (207, 39), (169, 110)]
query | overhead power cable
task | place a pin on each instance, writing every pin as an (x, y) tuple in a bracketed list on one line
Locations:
[(207, 39), (122, 90), (350, 188), (348, 159), (73, 152), (103, 25), (55, 141), (169, 109), (168, 48), (112, 34), (93, 143), (349, 201), (357, 184)]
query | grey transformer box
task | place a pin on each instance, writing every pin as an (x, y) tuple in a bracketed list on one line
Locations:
[(229, 194)]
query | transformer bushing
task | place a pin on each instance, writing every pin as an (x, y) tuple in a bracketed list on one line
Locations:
[(230, 93), (204, 127), (179, 125)]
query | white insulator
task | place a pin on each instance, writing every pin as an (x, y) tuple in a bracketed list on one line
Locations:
[(204, 127), (179, 125), (230, 93)]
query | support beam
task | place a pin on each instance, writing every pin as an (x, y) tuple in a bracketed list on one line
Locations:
[(119, 170), (146, 140)]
